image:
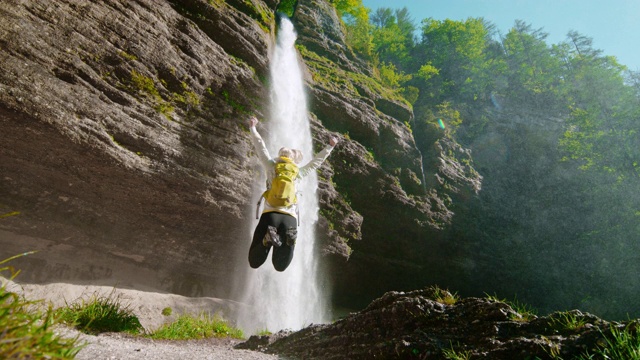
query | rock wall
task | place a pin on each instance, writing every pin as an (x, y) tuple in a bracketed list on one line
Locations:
[(432, 324), (123, 143), (124, 148), (377, 172)]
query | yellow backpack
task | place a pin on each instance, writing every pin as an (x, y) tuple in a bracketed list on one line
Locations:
[(282, 192)]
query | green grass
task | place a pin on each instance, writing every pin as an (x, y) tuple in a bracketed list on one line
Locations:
[(443, 296), (264, 332), (27, 332), (526, 312), (100, 314), (452, 354), (623, 344), (13, 213), (567, 321), (196, 327)]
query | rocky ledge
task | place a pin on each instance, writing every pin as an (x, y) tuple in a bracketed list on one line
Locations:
[(421, 325)]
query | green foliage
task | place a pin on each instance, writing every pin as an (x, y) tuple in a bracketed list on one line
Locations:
[(371, 156), (347, 6), (602, 132), (393, 35), (333, 77), (579, 139), (452, 59), (100, 314), (391, 77), (287, 7), (27, 332), (145, 85), (526, 311), (234, 104), (167, 311), (192, 327), (188, 98), (264, 332), (427, 71), (534, 71), (356, 19), (449, 115), (525, 105), (165, 109), (410, 93)]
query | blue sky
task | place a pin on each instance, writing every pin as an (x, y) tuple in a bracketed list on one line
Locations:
[(614, 25)]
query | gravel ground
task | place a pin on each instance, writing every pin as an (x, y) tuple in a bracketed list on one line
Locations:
[(117, 346), (147, 306)]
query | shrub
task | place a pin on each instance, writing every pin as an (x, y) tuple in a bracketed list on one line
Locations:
[(191, 327), (443, 296), (100, 314)]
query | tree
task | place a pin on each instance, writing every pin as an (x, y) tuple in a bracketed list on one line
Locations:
[(534, 73), (356, 19), (603, 131), (455, 51), (393, 35)]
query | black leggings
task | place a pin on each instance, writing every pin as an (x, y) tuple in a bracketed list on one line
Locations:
[(283, 254)]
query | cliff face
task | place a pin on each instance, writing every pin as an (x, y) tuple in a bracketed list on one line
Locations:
[(378, 172), (122, 142), (124, 147)]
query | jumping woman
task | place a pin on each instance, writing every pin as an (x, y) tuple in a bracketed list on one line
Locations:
[(278, 225)]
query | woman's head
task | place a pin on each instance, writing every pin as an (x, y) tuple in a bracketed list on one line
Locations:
[(293, 154)]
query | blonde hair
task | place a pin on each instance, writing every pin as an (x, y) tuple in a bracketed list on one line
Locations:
[(293, 154)]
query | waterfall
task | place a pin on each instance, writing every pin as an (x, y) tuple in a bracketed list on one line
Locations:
[(291, 299)]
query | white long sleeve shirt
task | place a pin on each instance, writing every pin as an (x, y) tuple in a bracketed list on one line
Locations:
[(268, 163)]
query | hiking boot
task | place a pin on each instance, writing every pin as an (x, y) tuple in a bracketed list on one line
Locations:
[(271, 238), (291, 235)]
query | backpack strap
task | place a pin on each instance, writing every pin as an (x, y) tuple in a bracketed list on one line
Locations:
[(258, 206)]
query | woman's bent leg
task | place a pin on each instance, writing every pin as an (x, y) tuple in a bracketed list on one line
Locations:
[(258, 252), (287, 229)]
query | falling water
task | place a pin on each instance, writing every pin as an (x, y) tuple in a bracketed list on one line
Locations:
[(290, 299)]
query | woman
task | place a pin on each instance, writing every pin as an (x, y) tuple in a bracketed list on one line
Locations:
[(277, 227)]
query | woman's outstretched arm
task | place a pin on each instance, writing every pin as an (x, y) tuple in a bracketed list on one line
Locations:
[(319, 158), (258, 143)]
